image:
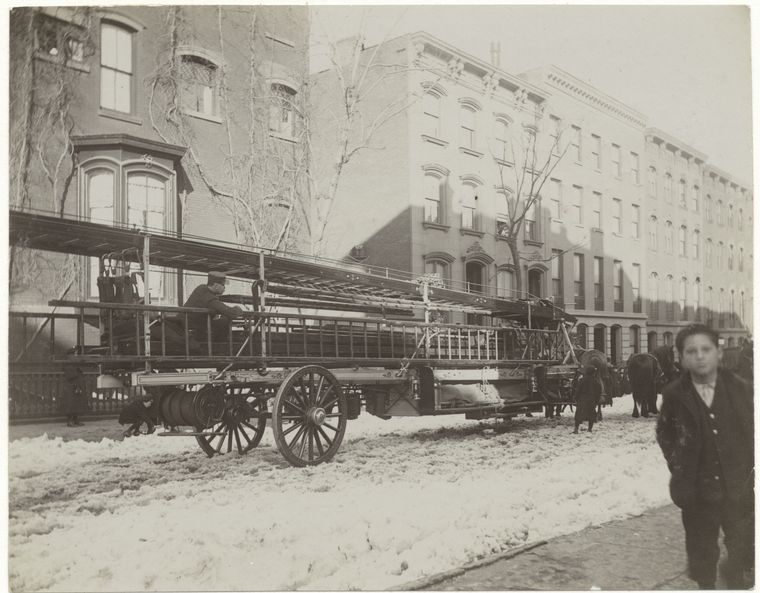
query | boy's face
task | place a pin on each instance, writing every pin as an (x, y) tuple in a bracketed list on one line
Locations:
[(700, 356)]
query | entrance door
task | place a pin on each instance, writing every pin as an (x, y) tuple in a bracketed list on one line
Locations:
[(651, 341), (474, 272), (600, 335), (535, 282)]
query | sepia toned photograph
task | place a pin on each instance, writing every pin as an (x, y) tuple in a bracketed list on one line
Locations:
[(380, 297)]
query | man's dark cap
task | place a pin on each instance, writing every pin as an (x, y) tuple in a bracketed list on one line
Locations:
[(216, 278)]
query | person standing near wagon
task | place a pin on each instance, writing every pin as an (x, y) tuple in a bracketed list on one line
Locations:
[(589, 393), (73, 395), (706, 433)]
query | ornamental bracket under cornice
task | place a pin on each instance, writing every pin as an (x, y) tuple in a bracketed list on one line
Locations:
[(455, 67), (490, 82)]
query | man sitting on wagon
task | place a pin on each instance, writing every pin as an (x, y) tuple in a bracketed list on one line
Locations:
[(207, 296)]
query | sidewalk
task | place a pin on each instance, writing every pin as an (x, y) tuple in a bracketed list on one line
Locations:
[(95, 429), (645, 552)]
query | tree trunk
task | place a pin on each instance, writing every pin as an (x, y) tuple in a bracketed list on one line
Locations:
[(514, 251)]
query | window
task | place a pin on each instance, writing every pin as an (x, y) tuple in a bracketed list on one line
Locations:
[(469, 205), (433, 202), (654, 294), (696, 290), (431, 110), (731, 257), (596, 151), (652, 182), (555, 199), (695, 244), (636, 288), (438, 267), (682, 193), (719, 212), (635, 168), (653, 232), (501, 138), (282, 114), (719, 256), (741, 219), (505, 283), (682, 288), (582, 335), (617, 286), (576, 216), (708, 253), (731, 215), (58, 39), (668, 188), (635, 338), (579, 281), (722, 308), (467, 117), (708, 208), (598, 284), (731, 309), (198, 85), (617, 216), (557, 292), (635, 221), (709, 304), (554, 131), (116, 67), (741, 259), (682, 241), (669, 303), (596, 212), (502, 226), (531, 222), (695, 198), (575, 144), (741, 307), (668, 237), (617, 166)]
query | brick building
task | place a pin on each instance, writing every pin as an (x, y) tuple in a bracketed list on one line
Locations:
[(430, 196), (143, 116)]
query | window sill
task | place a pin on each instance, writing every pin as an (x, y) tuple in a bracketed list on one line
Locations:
[(618, 235), (283, 137), (533, 242), (434, 140), (82, 67), (127, 117), (472, 232), (597, 230), (436, 225), (205, 116), (470, 151), (501, 238), (502, 162), (579, 163)]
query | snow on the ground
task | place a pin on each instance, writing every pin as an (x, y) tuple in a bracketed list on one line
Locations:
[(402, 499)]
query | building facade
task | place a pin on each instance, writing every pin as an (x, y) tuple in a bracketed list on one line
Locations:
[(605, 240), (149, 117)]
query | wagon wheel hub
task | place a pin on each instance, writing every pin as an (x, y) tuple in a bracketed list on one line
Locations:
[(317, 416)]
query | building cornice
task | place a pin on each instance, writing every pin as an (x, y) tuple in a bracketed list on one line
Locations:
[(721, 174), (128, 141), (582, 91), (658, 136)]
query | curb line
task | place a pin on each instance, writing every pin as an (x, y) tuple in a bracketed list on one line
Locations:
[(455, 572)]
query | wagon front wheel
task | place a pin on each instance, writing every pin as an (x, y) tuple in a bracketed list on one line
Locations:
[(240, 427), (309, 416)]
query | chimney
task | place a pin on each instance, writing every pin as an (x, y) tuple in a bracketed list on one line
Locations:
[(496, 54)]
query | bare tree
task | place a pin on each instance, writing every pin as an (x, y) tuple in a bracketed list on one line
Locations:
[(525, 164)]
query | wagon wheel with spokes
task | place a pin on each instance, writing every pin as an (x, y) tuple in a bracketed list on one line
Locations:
[(309, 416), (241, 426)]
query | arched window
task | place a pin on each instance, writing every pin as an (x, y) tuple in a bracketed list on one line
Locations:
[(731, 215), (653, 232), (741, 259), (199, 85), (722, 308), (505, 282), (116, 67), (469, 205), (468, 125), (682, 290), (730, 257), (582, 335), (695, 244), (741, 219), (719, 212), (719, 256), (741, 308), (282, 111), (682, 193), (501, 139), (709, 253), (682, 241), (654, 293), (635, 339), (696, 293), (668, 187), (709, 208), (695, 198), (440, 267), (431, 112), (434, 188), (652, 178), (731, 309), (669, 237)]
